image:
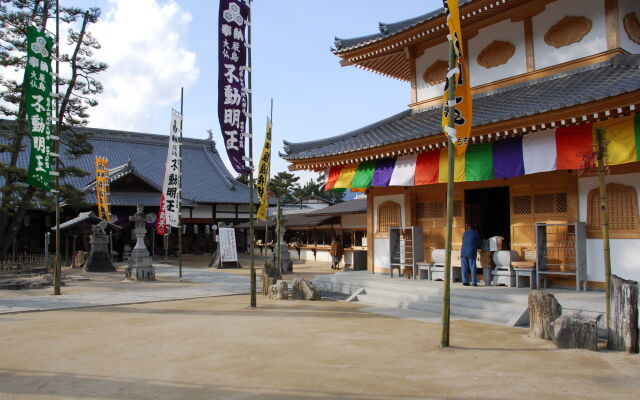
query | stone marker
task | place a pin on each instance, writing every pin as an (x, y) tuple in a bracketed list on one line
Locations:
[(99, 259), (543, 310), (304, 290), (140, 263), (279, 291), (576, 331), (623, 328)]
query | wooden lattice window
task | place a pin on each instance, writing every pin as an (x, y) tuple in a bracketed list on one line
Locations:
[(458, 208), (388, 216), (550, 203), (521, 205), (622, 202), (432, 209)]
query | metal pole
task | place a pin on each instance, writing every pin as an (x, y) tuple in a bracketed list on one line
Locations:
[(58, 263), (446, 293), (180, 190), (250, 123)]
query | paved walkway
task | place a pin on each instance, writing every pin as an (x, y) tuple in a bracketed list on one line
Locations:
[(209, 284)]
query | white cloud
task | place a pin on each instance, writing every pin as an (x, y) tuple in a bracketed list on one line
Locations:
[(148, 61)]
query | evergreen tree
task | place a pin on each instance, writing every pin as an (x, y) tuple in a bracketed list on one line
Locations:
[(77, 88)]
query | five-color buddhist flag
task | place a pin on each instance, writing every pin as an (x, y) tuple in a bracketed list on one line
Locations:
[(461, 131), (263, 175)]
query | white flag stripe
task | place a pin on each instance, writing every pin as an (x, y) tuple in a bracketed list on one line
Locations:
[(539, 151)]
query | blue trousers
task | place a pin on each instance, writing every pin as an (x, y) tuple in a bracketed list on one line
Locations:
[(469, 264)]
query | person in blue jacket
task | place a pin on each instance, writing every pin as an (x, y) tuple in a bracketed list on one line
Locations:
[(471, 242)]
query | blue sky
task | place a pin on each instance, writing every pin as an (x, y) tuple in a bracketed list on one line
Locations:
[(156, 46)]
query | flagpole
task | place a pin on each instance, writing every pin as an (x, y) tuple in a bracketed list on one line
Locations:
[(446, 293), (58, 263), (250, 123), (180, 189)]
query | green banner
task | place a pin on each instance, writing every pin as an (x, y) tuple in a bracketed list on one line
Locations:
[(37, 81)]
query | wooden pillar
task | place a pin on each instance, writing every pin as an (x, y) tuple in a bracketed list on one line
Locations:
[(611, 13), (370, 232), (528, 42)]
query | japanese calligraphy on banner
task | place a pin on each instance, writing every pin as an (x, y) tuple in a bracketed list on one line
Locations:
[(37, 81), (102, 188), (263, 175), (462, 112), (232, 93), (170, 200)]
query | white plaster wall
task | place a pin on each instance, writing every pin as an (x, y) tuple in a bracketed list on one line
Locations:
[(381, 256), (508, 31), (594, 42), (625, 253), (625, 7), (201, 211), (225, 215), (426, 91), (356, 221)]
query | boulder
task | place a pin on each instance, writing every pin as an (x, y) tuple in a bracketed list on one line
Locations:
[(80, 259), (279, 291), (623, 323), (304, 290), (543, 310), (270, 276), (576, 331)]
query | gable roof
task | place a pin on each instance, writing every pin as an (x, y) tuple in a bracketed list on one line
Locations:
[(205, 179), (357, 206), (617, 76)]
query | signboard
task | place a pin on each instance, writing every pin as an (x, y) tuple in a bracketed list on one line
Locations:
[(232, 91), (228, 249), (37, 82)]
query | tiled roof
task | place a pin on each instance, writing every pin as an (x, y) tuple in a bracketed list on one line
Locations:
[(291, 220), (614, 77), (147, 199), (205, 179), (88, 217), (388, 30), (357, 206)]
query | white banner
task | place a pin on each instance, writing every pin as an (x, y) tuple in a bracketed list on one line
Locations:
[(228, 250), (172, 174)]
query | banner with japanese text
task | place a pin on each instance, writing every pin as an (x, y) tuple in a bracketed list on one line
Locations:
[(461, 132), (102, 188), (263, 175), (37, 82), (169, 214), (232, 93)]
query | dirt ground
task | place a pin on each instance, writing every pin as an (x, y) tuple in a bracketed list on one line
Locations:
[(220, 348)]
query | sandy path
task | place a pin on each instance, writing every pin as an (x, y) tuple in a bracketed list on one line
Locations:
[(219, 348)]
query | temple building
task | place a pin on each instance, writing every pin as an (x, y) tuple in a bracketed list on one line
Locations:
[(136, 161), (545, 75)]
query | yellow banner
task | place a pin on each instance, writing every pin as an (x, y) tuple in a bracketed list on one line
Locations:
[(263, 175), (462, 129), (102, 188)]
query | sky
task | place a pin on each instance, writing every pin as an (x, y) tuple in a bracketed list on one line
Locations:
[(155, 47)]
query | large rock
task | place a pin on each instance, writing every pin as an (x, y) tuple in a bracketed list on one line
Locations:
[(623, 325), (543, 310), (279, 291), (304, 290), (576, 331), (80, 259)]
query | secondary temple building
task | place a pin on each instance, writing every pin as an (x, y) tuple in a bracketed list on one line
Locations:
[(545, 74)]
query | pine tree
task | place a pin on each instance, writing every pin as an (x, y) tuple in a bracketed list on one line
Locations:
[(77, 88)]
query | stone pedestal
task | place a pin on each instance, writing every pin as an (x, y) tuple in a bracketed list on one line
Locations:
[(99, 260), (140, 262), (286, 265)]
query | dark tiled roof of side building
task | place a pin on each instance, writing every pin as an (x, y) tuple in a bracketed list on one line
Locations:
[(205, 179), (357, 206), (614, 77)]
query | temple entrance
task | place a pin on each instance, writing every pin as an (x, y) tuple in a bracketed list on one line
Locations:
[(489, 209)]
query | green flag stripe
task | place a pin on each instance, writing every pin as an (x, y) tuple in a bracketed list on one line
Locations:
[(479, 162), (637, 129), (364, 175)]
